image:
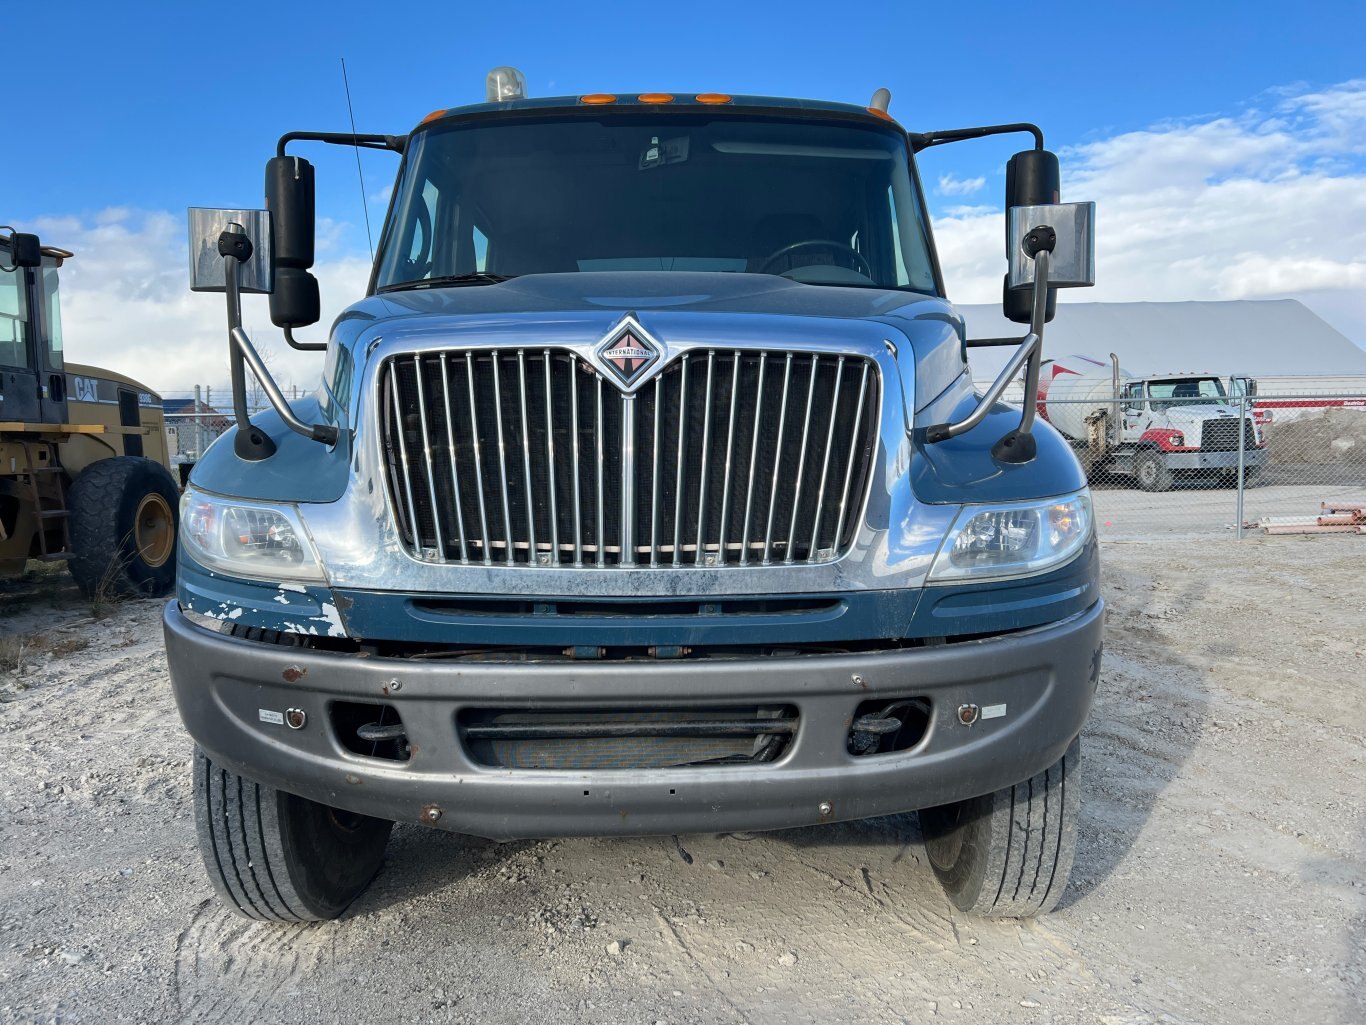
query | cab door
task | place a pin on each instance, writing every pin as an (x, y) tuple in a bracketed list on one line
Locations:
[(48, 343), (18, 339)]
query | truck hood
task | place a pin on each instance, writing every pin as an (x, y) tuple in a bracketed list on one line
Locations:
[(1203, 411), (587, 304)]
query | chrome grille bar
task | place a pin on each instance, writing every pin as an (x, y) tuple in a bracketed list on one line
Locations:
[(705, 476), (854, 438), (753, 458), (478, 461), (682, 441), (502, 457), (550, 458), (762, 495), (600, 538), (403, 456), (777, 462), (526, 455), (825, 463), (427, 459), (801, 464), (450, 450), (730, 454)]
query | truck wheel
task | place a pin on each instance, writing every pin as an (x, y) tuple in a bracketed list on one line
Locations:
[(275, 857), (123, 528), (1152, 471), (1008, 854)]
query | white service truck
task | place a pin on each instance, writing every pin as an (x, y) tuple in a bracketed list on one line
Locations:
[(1154, 428)]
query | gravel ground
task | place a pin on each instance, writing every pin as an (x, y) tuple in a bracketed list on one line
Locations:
[(1221, 875)]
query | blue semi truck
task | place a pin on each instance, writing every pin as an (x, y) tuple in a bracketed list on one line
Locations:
[(646, 491)]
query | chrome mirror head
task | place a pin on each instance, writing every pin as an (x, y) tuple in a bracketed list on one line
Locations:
[(1072, 264), (257, 274)]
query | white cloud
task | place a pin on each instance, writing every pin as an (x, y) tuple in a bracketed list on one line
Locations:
[(950, 185), (1264, 204), (127, 304)]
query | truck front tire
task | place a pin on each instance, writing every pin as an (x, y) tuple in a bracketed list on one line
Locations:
[(1008, 854), (1151, 470), (275, 857), (123, 528)]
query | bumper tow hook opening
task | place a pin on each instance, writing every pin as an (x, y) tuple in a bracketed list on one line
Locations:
[(868, 731)]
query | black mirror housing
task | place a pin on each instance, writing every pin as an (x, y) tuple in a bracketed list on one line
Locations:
[(295, 301), (290, 199), (1032, 179), (26, 250)]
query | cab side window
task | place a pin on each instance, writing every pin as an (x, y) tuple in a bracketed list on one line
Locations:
[(13, 320)]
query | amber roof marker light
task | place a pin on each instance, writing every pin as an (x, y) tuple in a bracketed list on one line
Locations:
[(656, 97), (712, 98), (598, 98), (877, 106)]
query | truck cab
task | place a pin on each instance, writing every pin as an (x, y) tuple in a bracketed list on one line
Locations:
[(1194, 423), (645, 492)]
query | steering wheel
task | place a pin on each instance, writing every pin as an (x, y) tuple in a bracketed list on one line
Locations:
[(857, 261), (419, 265)]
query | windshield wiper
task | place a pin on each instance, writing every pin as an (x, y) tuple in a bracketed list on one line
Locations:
[(478, 277)]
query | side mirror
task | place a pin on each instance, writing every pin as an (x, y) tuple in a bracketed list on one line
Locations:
[(1032, 179), (27, 250), (1072, 263), (290, 200), (206, 265)]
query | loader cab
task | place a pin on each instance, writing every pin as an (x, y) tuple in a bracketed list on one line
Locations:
[(32, 371)]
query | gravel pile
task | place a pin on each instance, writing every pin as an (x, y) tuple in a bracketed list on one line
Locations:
[(1334, 436)]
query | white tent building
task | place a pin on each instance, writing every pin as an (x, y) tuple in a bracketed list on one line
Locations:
[(1280, 342)]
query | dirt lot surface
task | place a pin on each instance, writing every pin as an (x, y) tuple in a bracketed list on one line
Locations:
[(1221, 875)]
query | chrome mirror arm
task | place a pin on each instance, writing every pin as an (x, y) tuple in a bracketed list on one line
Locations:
[(1018, 445), (251, 442)]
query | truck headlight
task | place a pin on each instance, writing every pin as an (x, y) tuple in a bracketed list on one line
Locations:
[(247, 539), (990, 542)]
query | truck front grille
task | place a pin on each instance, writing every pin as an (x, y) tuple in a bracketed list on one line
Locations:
[(626, 738), (1221, 435), (520, 457)]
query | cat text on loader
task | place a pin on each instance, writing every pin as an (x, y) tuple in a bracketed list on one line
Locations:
[(83, 473)]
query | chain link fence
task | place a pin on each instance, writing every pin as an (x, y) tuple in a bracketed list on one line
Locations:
[(1178, 468)]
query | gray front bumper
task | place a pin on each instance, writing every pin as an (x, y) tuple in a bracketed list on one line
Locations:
[(1216, 460), (1045, 678)]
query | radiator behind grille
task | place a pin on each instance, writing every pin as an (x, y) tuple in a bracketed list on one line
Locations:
[(535, 458), (1221, 435)]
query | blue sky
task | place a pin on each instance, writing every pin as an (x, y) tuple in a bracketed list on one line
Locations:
[(130, 113)]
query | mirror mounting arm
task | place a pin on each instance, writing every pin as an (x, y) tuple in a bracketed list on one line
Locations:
[(294, 343), (396, 143), (1017, 446), (251, 442), (924, 140)]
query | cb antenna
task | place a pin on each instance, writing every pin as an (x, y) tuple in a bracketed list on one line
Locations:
[(364, 206)]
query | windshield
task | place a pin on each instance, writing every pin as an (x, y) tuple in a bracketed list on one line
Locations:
[(1185, 391), (818, 202)]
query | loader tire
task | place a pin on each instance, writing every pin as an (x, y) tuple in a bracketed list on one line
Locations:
[(1008, 854), (275, 857), (123, 528)]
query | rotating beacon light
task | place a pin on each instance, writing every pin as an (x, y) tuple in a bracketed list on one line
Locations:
[(505, 83)]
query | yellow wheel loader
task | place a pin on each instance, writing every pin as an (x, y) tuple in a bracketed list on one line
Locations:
[(84, 471)]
